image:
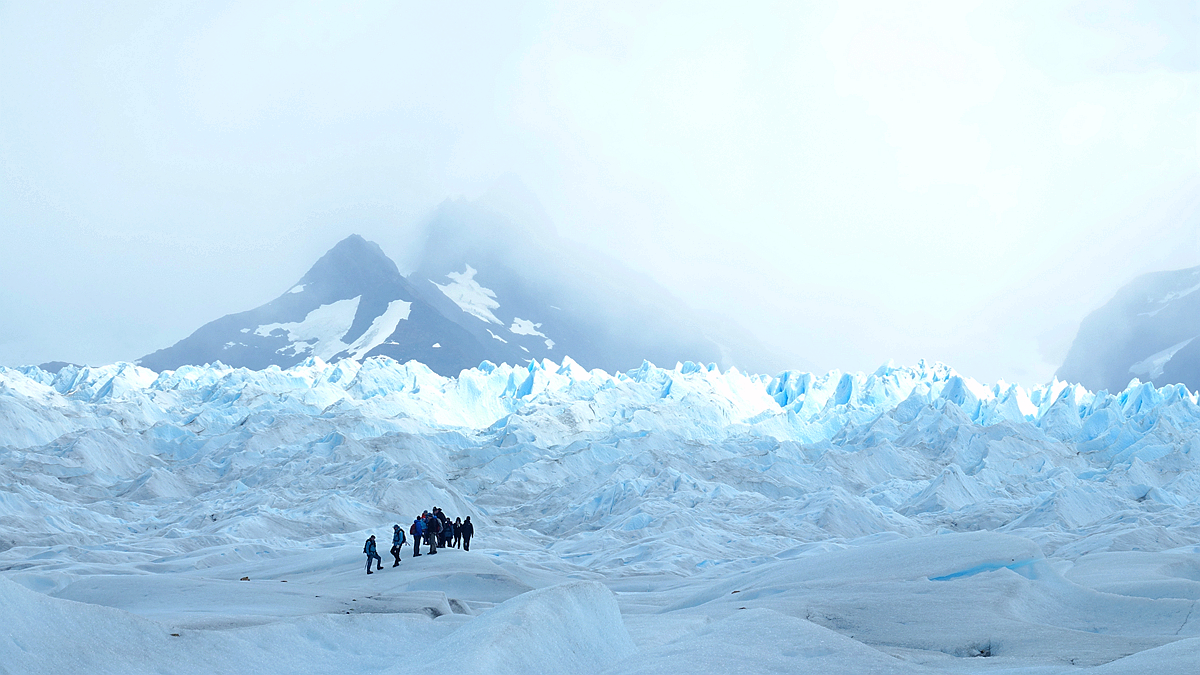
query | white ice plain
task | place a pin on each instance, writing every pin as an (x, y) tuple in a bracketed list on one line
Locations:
[(655, 521)]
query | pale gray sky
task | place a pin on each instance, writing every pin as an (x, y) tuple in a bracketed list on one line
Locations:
[(852, 182)]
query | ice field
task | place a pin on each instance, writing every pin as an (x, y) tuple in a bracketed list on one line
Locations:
[(909, 520)]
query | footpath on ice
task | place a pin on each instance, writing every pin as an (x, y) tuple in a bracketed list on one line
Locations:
[(910, 520)]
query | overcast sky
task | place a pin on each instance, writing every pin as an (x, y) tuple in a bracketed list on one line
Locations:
[(852, 182)]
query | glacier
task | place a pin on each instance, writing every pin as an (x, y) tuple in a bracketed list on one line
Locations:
[(906, 520)]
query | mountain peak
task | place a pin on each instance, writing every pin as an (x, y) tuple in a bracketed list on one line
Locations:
[(354, 260)]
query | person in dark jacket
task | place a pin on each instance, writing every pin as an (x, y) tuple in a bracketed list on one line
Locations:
[(468, 531), (458, 533), (372, 554), (397, 542), (441, 531), (417, 530), (434, 528)]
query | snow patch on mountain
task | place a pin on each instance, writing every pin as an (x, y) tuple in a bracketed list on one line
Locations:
[(320, 333), (381, 327), (470, 297), (1167, 299), (1175, 295), (1152, 366), (525, 327)]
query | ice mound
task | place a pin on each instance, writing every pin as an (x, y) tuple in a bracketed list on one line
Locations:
[(43, 634), (764, 641), (569, 628), (962, 595), (1140, 574), (1176, 658), (48, 635)]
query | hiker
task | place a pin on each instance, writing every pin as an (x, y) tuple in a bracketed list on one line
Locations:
[(467, 531), (441, 531), (451, 533), (458, 525), (434, 527), (372, 554), (416, 530), (397, 542)]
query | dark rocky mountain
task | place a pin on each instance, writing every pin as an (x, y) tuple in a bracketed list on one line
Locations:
[(352, 303), (487, 285), (1148, 331), (56, 366)]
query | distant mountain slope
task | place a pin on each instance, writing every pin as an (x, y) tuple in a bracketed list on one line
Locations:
[(517, 286), (1148, 331), (352, 303), (486, 286)]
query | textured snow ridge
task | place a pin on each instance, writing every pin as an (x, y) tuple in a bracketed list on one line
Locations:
[(567, 456), (906, 520), (571, 628)]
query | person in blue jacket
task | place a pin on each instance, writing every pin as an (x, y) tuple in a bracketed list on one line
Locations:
[(372, 554), (417, 529), (397, 542)]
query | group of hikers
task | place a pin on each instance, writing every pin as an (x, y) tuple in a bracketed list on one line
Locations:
[(433, 527)]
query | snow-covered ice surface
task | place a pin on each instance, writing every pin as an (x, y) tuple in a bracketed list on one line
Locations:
[(909, 520)]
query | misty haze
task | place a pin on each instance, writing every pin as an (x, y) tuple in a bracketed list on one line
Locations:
[(833, 337)]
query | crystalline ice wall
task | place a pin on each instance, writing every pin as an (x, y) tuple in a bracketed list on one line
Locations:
[(653, 469)]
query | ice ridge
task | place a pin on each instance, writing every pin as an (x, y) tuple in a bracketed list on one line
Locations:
[(651, 469)]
